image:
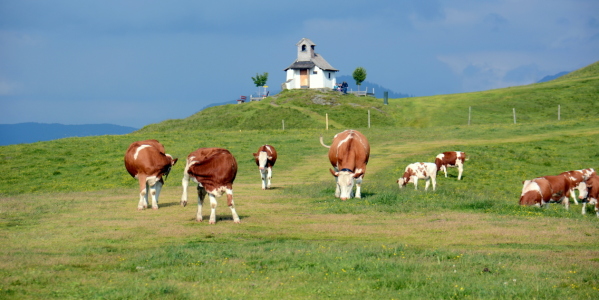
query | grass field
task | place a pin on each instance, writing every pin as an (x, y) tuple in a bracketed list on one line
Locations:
[(70, 229)]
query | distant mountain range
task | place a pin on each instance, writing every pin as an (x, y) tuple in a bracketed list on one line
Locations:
[(37, 132), (551, 77)]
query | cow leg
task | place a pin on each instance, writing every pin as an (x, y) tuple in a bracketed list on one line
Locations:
[(143, 194), (213, 204), (584, 208), (444, 168), (358, 184), (201, 197), (428, 182), (573, 196), (154, 185), (263, 178), (415, 179), (231, 204), (269, 177), (434, 180), (184, 183), (460, 170), (566, 200)]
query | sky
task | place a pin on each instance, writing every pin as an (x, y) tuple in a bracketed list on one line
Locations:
[(138, 62)]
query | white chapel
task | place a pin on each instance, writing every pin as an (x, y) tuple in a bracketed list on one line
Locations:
[(310, 70)]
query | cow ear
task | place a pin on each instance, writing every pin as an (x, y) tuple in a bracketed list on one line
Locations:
[(174, 161), (255, 155), (356, 175), (334, 173)]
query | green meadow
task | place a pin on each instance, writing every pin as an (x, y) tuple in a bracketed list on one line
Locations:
[(70, 228)]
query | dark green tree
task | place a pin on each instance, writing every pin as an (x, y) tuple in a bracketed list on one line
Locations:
[(359, 76), (260, 80)]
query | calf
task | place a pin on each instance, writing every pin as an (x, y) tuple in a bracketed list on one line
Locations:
[(147, 162), (214, 170), (265, 159), (348, 155), (417, 171), (592, 196), (451, 159), (543, 190)]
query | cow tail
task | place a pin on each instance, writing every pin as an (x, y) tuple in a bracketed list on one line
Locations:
[(322, 143)]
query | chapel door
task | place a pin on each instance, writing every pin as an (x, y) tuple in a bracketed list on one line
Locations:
[(304, 79)]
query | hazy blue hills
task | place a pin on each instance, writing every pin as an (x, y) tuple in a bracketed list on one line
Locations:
[(36, 132), (379, 91), (551, 77)]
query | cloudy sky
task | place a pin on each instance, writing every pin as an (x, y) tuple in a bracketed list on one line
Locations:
[(137, 62)]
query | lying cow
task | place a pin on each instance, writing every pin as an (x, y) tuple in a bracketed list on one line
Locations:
[(451, 159), (348, 155), (592, 196), (147, 162), (543, 190), (265, 159), (419, 170), (214, 170)]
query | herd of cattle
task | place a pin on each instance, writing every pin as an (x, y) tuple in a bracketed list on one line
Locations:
[(215, 169)]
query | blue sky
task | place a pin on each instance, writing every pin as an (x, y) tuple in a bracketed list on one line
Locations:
[(134, 63)]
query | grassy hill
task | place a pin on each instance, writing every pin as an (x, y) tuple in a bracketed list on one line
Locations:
[(70, 229)]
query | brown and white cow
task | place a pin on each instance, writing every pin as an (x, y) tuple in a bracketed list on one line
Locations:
[(348, 154), (214, 170), (592, 196), (265, 159), (576, 178), (147, 162), (543, 190), (419, 170), (451, 159)]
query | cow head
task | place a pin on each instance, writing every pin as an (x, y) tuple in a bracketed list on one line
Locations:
[(583, 190), (173, 162), (403, 181), (261, 158), (345, 182)]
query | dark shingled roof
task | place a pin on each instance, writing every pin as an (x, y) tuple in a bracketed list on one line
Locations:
[(317, 60)]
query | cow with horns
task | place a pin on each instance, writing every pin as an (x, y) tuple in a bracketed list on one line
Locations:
[(348, 154)]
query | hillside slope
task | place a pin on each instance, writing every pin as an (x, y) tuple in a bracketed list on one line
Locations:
[(576, 95)]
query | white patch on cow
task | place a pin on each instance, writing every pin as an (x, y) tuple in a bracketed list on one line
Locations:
[(139, 149), (262, 159), (269, 150), (530, 185), (441, 156), (217, 192)]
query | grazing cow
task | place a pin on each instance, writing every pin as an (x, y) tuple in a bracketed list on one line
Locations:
[(577, 178), (149, 164), (451, 159), (417, 171), (348, 155), (265, 159), (592, 194), (214, 170), (543, 190)]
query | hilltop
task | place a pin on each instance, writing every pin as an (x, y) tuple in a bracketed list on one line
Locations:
[(576, 94)]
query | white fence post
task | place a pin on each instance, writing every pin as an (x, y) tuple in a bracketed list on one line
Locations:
[(514, 110), (283, 124), (369, 118), (559, 107), (327, 121), (469, 114)]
